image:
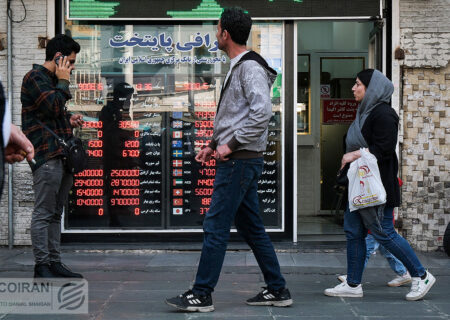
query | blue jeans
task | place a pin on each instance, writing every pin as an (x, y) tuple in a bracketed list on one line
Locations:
[(235, 198), (373, 245), (356, 226)]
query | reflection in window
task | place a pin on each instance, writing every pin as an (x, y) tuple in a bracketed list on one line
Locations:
[(303, 95), (149, 94)]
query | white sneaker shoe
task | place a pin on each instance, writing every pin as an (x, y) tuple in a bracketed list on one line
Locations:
[(420, 288), (400, 280), (342, 278), (344, 290)]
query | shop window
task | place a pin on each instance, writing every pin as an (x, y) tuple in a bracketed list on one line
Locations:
[(149, 94)]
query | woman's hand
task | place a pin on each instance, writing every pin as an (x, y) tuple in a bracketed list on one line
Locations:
[(350, 157)]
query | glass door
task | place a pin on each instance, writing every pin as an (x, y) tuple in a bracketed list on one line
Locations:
[(338, 110)]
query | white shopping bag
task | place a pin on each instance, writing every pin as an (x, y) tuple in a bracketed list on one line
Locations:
[(365, 188)]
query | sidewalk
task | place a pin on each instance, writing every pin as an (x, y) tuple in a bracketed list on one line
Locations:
[(132, 284)]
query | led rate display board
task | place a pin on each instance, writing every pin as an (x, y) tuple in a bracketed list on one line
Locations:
[(211, 9), (148, 108)]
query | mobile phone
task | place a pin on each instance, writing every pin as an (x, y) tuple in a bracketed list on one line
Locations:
[(59, 58)]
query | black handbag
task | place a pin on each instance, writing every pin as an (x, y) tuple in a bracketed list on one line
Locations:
[(75, 157), (341, 177)]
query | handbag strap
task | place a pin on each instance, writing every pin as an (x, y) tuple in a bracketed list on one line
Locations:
[(60, 140)]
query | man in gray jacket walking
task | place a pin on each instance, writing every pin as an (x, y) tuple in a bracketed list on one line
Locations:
[(239, 139)]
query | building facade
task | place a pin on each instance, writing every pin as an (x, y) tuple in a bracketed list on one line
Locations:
[(425, 154), (143, 184)]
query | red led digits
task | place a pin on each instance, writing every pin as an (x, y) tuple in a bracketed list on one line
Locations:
[(131, 144), (89, 192), (206, 201), (90, 86), (205, 182), (93, 124), (190, 86), (95, 153), (126, 192), (124, 201), (88, 183), (205, 114), (203, 133), (206, 104), (130, 153), (125, 182), (95, 143), (201, 143), (204, 124), (90, 202), (203, 191), (125, 173), (143, 86), (207, 172), (128, 124), (90, 173)]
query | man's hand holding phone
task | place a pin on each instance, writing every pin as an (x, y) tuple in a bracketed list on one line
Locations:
[(63, 67)]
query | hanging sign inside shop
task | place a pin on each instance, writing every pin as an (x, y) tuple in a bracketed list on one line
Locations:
[(155, 43), (162, 41), (212, 9), (337, 111)]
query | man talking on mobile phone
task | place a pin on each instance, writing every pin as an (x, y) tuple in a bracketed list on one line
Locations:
[(45, 91)]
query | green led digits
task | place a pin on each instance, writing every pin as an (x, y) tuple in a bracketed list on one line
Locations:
[(92, 9), (206, 9)]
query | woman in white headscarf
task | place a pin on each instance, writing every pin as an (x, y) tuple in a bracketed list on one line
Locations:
[(376, 128)]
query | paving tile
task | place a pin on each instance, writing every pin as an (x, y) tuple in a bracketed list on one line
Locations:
[(392, 310), (235, 259), (176, 260), (313, 260)]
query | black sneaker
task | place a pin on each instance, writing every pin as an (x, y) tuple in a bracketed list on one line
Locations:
[(268, 297), (63, 271), (43, 271), (189, 301)]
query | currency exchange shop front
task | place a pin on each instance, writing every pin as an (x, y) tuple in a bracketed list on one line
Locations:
[(148, 80), (148, 94)]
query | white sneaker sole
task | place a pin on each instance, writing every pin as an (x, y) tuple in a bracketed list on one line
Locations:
[(344, 295), (432, 281), (398, 284), (192, 309), (284, 303)]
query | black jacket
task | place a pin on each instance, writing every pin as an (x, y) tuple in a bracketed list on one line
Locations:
[(380, 131)]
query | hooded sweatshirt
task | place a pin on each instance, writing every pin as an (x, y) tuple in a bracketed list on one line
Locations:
[(245, 108)]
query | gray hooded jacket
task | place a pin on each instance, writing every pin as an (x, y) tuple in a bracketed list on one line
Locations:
[(245, 108)]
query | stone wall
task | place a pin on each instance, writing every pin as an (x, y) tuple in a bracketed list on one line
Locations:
[(25, 52), (425, 156), (425, 32)]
